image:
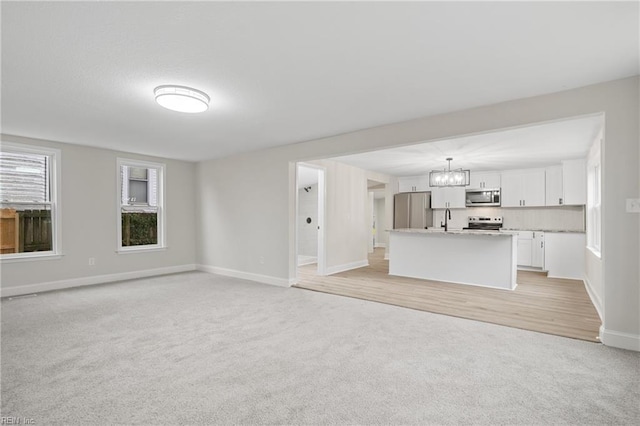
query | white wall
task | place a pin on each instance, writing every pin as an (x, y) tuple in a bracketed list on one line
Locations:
[(593, 261), (89, 217), (593, 279), (347, 218), (232, 187), (308, 232), (382, 237)]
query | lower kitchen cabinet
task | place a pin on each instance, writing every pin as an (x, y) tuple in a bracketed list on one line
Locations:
[(564, 254), (537, 250), (525, 241), (531, 249)]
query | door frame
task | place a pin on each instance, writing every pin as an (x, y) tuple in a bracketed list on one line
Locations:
[(322, 203)]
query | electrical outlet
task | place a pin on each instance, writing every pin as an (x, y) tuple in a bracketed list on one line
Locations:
[(261, 260), (92, 261), (633, 205)]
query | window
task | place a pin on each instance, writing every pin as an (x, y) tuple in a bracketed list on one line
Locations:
[(140, 208), (29, 213)]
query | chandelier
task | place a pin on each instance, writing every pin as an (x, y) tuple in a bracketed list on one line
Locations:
[(448, 177)]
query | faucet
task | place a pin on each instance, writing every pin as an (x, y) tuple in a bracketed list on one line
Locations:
[(447, 212)]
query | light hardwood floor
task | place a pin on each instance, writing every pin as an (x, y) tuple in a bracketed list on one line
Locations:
[(548, 305)]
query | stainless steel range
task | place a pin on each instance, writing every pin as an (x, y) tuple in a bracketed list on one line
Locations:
[(484, 223)]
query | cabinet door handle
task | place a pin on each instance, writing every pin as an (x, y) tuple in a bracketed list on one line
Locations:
[(524, 202)]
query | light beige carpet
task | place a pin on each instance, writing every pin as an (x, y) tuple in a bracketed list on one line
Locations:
[(196, 348)]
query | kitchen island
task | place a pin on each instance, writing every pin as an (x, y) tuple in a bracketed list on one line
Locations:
[(481, 258)]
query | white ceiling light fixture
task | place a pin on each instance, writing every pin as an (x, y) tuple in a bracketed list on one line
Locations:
[(181, 98), (449, 177)]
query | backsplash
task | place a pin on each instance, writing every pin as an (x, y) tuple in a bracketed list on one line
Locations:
[(560, 218)]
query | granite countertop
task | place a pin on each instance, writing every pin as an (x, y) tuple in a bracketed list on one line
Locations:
[(454, 232), (545, 230)]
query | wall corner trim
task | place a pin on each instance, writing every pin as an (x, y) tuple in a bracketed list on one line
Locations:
[(92, 280), (264, 279), (619, 339), (347, 266)]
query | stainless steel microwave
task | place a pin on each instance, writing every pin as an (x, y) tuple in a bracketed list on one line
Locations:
[(483, 197)]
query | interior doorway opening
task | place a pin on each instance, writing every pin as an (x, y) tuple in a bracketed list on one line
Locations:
[(310, 216), (377, 208)]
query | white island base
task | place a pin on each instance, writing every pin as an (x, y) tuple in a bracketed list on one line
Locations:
[(478, 258)]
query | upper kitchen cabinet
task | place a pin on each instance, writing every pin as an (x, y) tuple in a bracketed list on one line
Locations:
[(489, 180), (574, 181), (523, 188), (450, 197), (554, 194), (413, 184), (566, 184)]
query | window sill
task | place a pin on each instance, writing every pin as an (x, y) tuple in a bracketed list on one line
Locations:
[(141, 249), (597, 253), (30, 257)]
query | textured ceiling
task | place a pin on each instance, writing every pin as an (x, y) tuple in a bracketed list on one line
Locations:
[(285, 72)]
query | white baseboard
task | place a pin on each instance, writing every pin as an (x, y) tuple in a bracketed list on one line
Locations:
[(346, 267), (96, 279), (264, 279), (597, 303), (380, 245), (620, 339)]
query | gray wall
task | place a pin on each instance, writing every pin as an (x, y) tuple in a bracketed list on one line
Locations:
[(89, 216), (232, 186)]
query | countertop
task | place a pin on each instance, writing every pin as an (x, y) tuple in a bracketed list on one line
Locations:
[(564, 231), (454, 232)]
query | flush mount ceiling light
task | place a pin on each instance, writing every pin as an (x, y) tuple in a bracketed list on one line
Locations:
[(181, 99), (449, 177)]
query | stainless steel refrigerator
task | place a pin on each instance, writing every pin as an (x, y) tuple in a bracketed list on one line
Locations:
[(412, 210)]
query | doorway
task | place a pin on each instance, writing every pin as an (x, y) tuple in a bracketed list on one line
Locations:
[(310, 217), (377, 208)]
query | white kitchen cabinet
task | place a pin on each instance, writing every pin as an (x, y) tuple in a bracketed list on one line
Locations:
[(564, 254), (448, 197), (525, 256), (523, 188), (489, 180), (413, 184), (554, 194), (537, 249), (531, 249), (574, 181)]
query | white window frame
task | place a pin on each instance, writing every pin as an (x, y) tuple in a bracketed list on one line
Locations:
[(161, 245), (55, 181)]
